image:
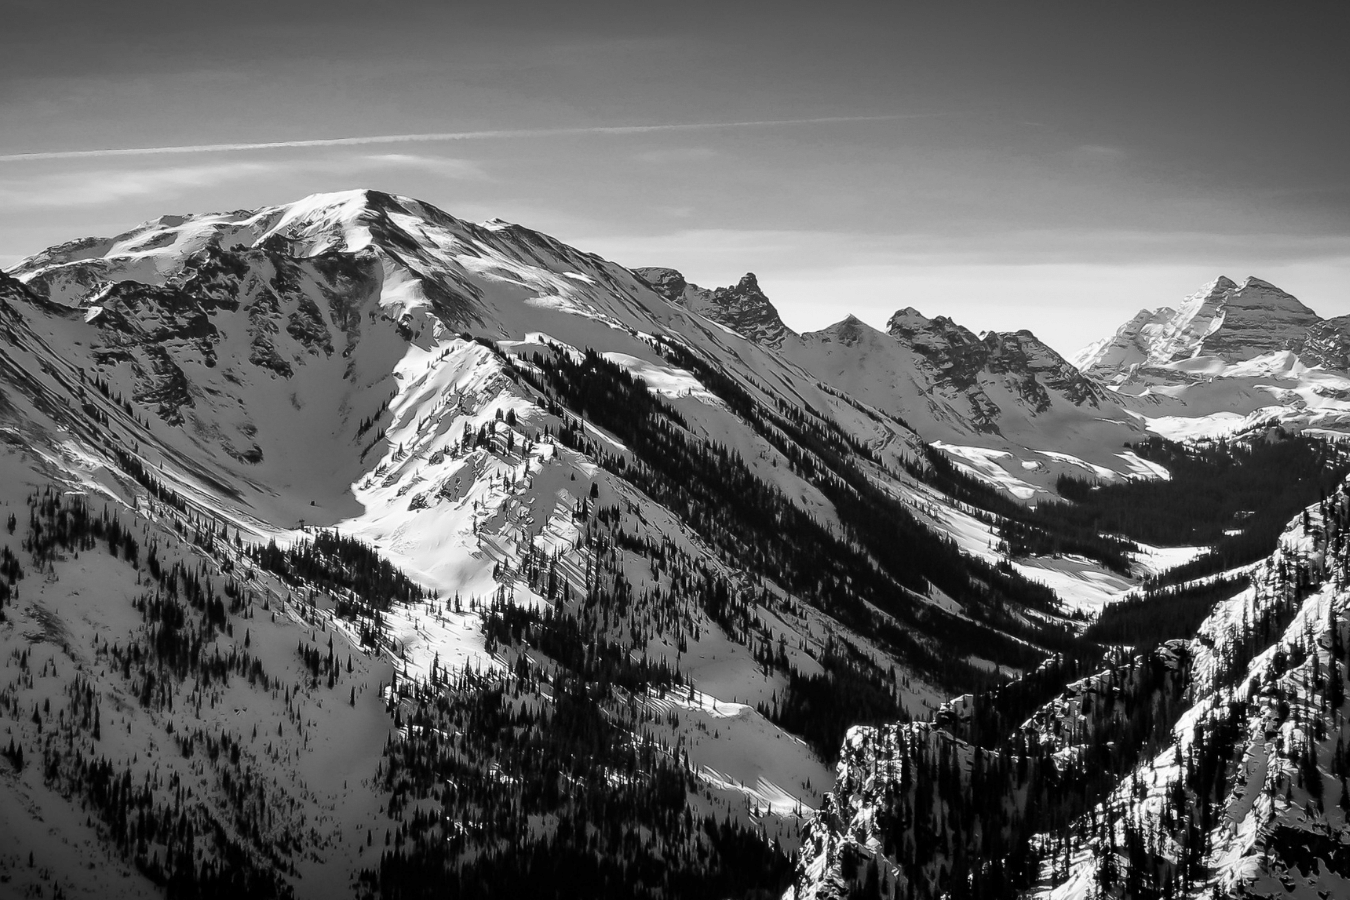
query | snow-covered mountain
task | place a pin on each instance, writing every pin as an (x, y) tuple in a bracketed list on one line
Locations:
[(1232, 322), (353, 548), (482, 461), (1006, 406), (1209, 767), (1231, 359), (991, 400)]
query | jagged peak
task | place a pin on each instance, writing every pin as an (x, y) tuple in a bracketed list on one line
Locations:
[(847, 330), (647, 273), (910, 325), (1270, 295), (1146, 314), (1219, 285), (1222, 319), (742, 307), (908, 318), (669, 283), (1225, 289), (1252, 281)]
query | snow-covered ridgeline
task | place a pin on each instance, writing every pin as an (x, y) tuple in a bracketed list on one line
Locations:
[(1256, 700)]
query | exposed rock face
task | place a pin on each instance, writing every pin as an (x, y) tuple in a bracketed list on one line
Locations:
[(743, 307), (1223, 319), (964, 368), (1022, 356), (1258, 318), (1327, 344), (148, 327), (666, 282), (169, 332), (953, 350)]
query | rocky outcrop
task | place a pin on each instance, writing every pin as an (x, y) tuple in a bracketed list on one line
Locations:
[(148, 327), (1327, 344), (666, 282), (743, 307), (953, 350), (964, 368), (1258, 318)]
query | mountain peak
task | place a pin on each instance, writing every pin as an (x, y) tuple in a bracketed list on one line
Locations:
[(1223, 319), (667, 282), (1219, 285), (911, 326), (1255, 292), (743, 307), (907, 320), (847, 331), (348, 202)]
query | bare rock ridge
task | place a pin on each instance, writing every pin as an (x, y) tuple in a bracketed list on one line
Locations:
[(1019, 356), (1233, 322), (961, 362), (742, 307), (977, 381), (1328, 344)]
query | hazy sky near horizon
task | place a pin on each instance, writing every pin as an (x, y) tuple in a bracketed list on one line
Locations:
[(1052, 166)]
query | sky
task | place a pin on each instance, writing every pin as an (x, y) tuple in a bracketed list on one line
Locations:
[(1050, 166)]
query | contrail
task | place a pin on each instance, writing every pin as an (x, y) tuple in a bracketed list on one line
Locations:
[(450, 136)]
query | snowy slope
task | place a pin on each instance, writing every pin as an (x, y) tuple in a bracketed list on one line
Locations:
[(370, 366), (1006, 406), (591, 538)]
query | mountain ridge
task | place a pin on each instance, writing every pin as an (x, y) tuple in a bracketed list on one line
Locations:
[(311, 398), (566, 544), (742, 307)]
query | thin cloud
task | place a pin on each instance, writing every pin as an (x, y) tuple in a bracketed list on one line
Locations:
[(95, 187), (677, 155), (452, 136), (444, 166)]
